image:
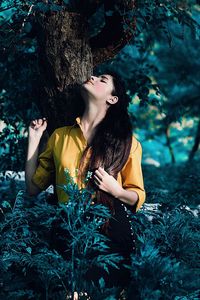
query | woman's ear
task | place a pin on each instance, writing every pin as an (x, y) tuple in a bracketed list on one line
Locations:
[(112, 100)]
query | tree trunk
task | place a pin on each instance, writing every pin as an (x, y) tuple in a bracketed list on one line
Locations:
[(65, 61), (169, 144), (196, 143)]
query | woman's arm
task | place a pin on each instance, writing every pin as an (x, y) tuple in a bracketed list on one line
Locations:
[(132, 178), (132, 191), (109, 184), (35, 133), (126, 196)]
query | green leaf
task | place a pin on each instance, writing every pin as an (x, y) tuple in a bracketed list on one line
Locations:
[(101, 282), (109, 13), (6, 204), (29, 250)]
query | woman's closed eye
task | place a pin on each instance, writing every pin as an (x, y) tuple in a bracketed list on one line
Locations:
[(102, 79)]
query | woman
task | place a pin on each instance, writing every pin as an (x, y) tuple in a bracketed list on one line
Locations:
[(100, 141)]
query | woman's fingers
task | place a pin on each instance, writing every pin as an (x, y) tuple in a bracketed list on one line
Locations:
[(37, 128), (102, 171), (38, 122), (99, 174), (75, 296), (44, 125), (41, 121), (33, 122), (97, 179)]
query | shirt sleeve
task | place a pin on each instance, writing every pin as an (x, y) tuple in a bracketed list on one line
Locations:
[(45, 172), (132, 176)]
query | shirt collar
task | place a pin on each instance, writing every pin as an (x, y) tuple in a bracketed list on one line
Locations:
[(77, 121)]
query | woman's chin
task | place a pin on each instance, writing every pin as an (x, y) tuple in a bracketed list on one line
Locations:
[(84, 86)]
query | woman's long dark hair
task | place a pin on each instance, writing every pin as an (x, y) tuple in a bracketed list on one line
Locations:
[(111, 143)]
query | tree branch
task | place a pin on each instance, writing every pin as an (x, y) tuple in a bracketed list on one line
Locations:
[(7, 8), (88, 7), (117, 32)]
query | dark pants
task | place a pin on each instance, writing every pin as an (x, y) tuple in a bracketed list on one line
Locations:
[(122, 242)]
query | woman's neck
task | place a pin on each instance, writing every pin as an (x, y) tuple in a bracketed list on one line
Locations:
[(90, 119)]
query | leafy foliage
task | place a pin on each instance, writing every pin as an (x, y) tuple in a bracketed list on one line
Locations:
[(173, 185), (47, 249), (167, 249), (42, 263)]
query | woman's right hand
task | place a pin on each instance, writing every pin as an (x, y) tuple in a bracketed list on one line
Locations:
[(36, 129)]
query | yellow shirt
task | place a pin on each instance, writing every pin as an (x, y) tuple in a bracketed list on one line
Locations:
[(64, 149)]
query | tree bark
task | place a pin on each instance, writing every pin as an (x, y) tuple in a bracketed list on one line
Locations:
[(119, 29), (65, 61), (169, 145), (196, 143)]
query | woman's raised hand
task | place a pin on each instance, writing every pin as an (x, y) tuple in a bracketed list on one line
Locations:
[(36, 128), (35, 132)]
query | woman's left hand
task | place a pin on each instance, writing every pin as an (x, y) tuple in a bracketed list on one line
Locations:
[(107, 182)]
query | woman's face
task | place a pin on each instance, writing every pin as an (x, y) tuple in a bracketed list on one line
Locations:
[(98, 88)]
